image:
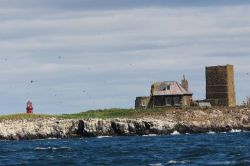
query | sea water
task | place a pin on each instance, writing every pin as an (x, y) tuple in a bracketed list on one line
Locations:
[(231, 148)]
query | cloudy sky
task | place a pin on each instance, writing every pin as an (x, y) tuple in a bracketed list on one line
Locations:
[(75, 55)]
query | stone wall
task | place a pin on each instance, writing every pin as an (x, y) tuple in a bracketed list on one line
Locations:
[(186, 100), (231, 86), (142, 102)]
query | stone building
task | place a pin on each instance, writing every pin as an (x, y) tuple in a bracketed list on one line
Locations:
[(220, 89), (166, 94), (169, 93), (142, 102)]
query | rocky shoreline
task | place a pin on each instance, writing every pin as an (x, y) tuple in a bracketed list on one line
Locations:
[(182, 121)]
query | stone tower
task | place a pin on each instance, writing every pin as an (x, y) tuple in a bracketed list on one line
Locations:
[(220, 89)]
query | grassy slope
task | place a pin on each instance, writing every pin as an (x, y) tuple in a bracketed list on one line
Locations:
[(24, 116), (114, 113), (109, 113), (102, 114)]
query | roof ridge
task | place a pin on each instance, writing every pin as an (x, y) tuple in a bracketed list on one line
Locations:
[(159, 82), (178, 89), (181, 88)]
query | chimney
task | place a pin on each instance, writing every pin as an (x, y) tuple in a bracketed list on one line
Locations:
[(184, 83)]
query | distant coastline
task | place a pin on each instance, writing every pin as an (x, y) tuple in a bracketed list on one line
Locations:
[(122, 122)]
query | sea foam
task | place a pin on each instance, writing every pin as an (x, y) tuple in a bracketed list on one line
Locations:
[(150, 135), (178, 162), (156, 164), (175, 133), (235, 131), (104, 136)]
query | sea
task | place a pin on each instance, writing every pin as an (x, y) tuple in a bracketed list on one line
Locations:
[(232, 148)]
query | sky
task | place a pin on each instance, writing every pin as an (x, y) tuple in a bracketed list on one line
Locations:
[(73, 56)]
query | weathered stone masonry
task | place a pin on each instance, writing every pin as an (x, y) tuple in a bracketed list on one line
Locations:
[(220, 89)]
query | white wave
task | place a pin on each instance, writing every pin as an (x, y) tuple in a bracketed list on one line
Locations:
[(41, 139), (235, 131), (52, 148), (40, 148), (150, 135), (211, 132), (178, 162), (175, 133), (156, 164), (223, 163), (104, 136)]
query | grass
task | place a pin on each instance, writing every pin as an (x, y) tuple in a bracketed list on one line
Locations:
[(24, 116), (106, 114), (101, 114), (114, 113)]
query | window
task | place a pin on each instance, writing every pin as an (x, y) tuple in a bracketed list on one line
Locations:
[(166, 88)]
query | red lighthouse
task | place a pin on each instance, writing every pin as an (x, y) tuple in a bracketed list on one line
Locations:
[(29, 108)]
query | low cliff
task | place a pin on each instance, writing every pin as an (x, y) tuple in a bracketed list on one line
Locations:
[(183, 121)]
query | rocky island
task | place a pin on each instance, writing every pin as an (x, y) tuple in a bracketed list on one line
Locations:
[(125, 123)]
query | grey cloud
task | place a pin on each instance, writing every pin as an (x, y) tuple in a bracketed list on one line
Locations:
[(115, 4), (86, 59)]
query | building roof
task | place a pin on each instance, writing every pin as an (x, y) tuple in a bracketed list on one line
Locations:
[(168, 88)]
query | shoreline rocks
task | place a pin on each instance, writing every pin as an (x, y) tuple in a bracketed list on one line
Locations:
[(198, 121)]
